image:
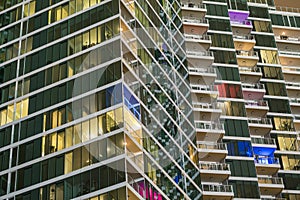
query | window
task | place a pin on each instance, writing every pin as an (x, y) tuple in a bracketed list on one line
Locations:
[(245, 189), (230, 90), (242, 168), (239, 148)]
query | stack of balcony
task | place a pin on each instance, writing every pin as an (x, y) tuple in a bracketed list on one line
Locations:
[(207, 111)]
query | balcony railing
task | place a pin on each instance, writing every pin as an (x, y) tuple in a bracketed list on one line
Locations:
[(273, 180), (288, 9), (264, 121), (291, 52), (253, 103), (252, 69), (253, 86), (241, 22), (194, 20), (273, 199), (216, 146), (292, 84), (266, 160), (215, 166), (295, 100), (209, 125), (247, 53), (269, 141), (206, 105), (203, 70), (193, 5), (244, 37), (285, 37), (197, 37), (203, 87), (258, 1), (200, 53), (217, 188)]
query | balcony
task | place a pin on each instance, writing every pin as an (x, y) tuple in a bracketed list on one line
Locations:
[(206, 111), (256, 108), (293, 89), (200, 58), (211, 152), (263, 146), (203, 40), (209, 131), (270, 186), (267, 165), (291, 73), (253, 91), (191, 8), (244, 42), (289, 58), (297, 125), (204, 93), (295, 105), (224, 192), (203, 76), (250, 75), (263, 142), (194, 21), (214, 172), (239, 21), (247, 58), (260, 126)]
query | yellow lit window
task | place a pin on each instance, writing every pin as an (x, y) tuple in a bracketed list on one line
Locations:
[(65, 11), (54, 119), (60, 141), (69, 137), (68, 162), (10, 113), (3, 117)]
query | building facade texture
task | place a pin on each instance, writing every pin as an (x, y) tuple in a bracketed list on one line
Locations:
[(149, 99)]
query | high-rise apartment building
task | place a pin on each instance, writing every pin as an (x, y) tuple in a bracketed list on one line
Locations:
[(149, 99)]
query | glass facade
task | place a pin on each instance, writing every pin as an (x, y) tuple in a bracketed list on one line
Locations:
[(155, 99)]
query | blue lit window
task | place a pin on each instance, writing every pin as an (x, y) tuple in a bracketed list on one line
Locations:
[(240, 148), (132, 103)]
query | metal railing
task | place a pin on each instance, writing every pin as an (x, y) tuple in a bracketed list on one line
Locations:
[(244, 37), (209, 125), (290, 52), (200, 53), (214, 105), (256, 103), (216, 146), (258, 1), (193, 5), (270, 141), (197, 37), (194, 20), (217, 188), (252, 69), (271, 180), (292, 84), (295, 100), (241, 22), (287, 9), (215, 166), (247, 53), (203, 70), (285, 37), (254, 86), (203, 87), (267, 160), (260, 121)]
